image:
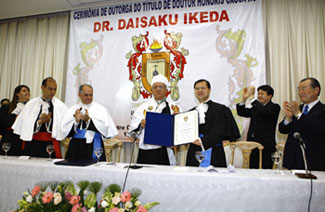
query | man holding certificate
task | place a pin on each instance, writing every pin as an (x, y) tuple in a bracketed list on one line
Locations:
[(148, 153), (216, 124)]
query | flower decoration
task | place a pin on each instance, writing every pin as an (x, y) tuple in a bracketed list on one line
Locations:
[(63, 196), (126, 196), (47, 197), (36, 190)]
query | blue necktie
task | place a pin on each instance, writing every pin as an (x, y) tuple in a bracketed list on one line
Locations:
[(306, 110)]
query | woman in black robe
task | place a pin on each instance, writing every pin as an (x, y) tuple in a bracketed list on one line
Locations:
[(8, 114)]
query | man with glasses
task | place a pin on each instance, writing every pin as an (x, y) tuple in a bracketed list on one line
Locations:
[(216, 125), (308, 119), (154, 154), (87, 123)]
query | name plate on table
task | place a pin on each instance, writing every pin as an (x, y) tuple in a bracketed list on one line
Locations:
[(171, 130)]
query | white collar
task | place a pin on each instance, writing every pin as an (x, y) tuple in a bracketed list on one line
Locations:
[(86, 106), (312, 104), (160, 101)]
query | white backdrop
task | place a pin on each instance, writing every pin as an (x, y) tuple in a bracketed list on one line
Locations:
[(222, 43)]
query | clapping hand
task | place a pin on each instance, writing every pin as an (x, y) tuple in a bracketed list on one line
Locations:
[(85, 116), (248, 92), (251, 91), (44, 118), (291, 109), (79, 115)]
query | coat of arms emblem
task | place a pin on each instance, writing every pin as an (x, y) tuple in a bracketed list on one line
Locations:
[(150, 59)]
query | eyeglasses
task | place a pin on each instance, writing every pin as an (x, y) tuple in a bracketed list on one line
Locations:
[(304, 88), (156, 87)]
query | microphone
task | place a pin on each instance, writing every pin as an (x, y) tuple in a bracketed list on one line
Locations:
[(298, 137), (134, 135), (302, 145)]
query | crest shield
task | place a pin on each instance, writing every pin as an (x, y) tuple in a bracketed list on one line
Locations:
[(152, 65), (169, 63)]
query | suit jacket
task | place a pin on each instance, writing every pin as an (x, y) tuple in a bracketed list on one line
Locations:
[(312, 130), (263, 122), (219, 125)]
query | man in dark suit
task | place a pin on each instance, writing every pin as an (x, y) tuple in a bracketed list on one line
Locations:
[(216, 125), (264, 117), (309, 120)]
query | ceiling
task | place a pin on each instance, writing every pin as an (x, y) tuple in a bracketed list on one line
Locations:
[(19, 8)]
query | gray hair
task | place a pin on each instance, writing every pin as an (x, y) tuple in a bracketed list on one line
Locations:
[(83, 85)]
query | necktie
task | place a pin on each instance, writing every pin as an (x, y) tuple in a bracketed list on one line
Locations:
[(306, 110)]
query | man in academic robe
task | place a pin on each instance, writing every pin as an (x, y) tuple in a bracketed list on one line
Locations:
[(216, 124), (264, 118), (38, 122), (87, 123), (154, 154), (307, 119)]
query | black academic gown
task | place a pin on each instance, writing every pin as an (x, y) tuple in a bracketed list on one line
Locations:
[(79, 148), (6, 121), (154, 156), (262, 129), (219, 125), (312, 130)]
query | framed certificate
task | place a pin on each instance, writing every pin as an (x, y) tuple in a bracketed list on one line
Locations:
[(171, 130)]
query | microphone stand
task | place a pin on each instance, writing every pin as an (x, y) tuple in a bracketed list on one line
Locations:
[(135, 136), (308, 174)]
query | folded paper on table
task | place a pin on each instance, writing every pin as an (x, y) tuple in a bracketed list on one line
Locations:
[(80, 162), (171, 130)]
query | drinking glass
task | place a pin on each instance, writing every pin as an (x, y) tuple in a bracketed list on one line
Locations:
[(277, 157), (50, 150), (199, 156), (98, 153), (6, 147)]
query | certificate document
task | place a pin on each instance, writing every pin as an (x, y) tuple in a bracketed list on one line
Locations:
[(171, 130), (186, 127)]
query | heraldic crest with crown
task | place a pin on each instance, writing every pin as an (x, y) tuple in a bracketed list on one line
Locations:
[(166, 59)]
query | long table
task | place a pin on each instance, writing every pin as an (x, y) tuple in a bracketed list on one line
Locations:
[(176, 188)]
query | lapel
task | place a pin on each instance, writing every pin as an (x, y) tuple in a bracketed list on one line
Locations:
[(316, 110)]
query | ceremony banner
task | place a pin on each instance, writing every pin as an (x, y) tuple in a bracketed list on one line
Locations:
[(119, 48)]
